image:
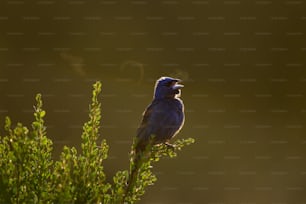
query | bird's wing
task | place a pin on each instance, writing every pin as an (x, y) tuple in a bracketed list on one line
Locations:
[(147, 116)]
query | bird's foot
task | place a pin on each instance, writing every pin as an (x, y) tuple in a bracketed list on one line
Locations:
[(170, 146)]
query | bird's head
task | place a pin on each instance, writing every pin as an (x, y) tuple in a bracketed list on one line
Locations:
[(167, 87)]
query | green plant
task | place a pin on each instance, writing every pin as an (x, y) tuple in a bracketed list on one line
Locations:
[(29, 175), (26, 163)]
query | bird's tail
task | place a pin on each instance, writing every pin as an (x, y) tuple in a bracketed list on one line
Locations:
[(134, 170), (139, 155)]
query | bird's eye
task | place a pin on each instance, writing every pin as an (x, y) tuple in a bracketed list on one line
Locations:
[(168, 84)]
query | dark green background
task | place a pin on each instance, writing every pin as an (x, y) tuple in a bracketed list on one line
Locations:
[(243, 66)]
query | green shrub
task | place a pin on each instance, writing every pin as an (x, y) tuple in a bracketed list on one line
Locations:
[(29, 175)]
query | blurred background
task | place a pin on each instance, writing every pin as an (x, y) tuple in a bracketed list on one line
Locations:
[(243, 67)]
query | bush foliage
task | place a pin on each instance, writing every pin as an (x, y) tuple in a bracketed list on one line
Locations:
[(28, 173)]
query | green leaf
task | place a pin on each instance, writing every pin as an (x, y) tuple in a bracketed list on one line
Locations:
[(42, 113), (7, 125)]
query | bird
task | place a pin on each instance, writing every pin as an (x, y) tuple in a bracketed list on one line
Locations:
[(164, 117), (162, 120)]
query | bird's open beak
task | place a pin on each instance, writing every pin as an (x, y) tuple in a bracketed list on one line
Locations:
[(176, 86)]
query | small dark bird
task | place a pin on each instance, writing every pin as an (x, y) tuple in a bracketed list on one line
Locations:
[(162, 119)]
